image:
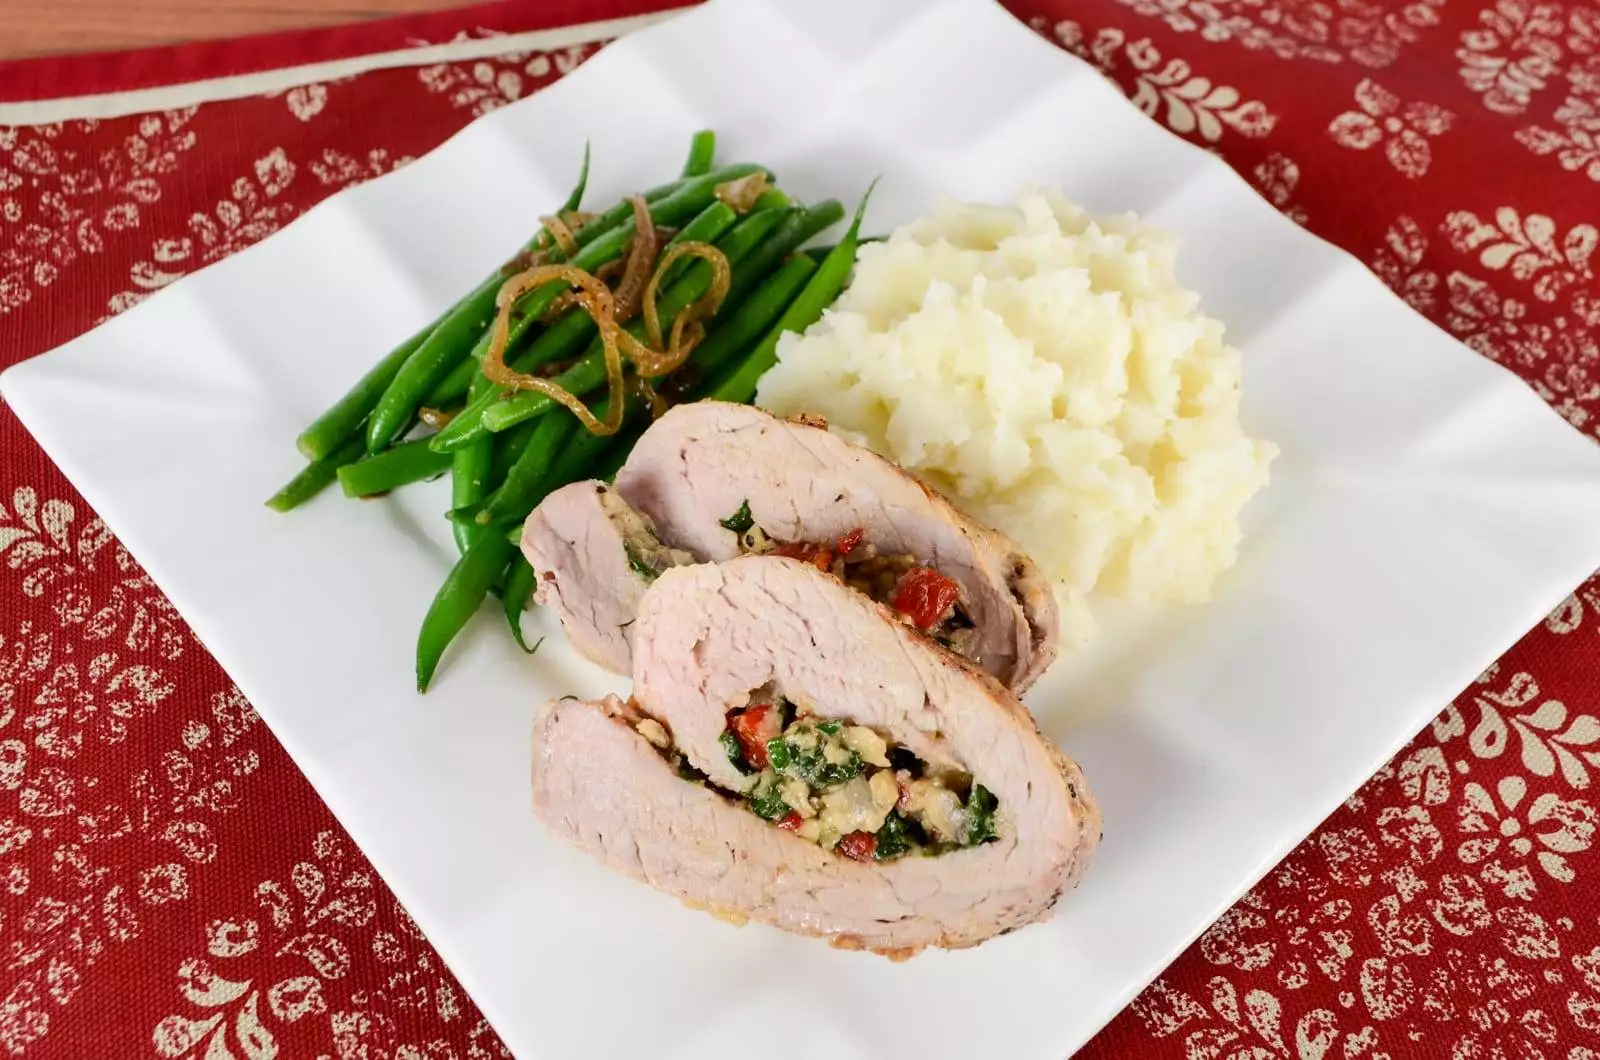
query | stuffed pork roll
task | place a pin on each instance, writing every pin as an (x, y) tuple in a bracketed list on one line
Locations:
[(711, 481), (796, 755)]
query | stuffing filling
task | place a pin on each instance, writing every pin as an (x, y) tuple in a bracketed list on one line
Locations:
[(845, 788), (647, 556), (920, 596)]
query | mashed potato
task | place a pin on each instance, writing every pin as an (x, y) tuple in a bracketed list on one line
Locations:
[(1045, 370)]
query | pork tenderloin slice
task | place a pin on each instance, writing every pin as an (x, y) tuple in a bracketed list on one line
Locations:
[(600, 786), (706, 637), (587, 549), (700, 462)]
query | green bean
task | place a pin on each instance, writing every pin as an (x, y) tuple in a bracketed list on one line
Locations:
[(476, 572), (526, 313), (518, 590), (429, 363), (396, 466), (567, 335), (433, 359), (696, 194), (574, 199), (462, 593), (660, 191), (453, 387), (586, 461), (588, 456), (523, 479), (318, 475), (560, 340), (508, 449), (771, 199), (785, 239), (575, 196), (469, 471), (681, 199), (745, 240), (751, 319), (560, 441), (610, 462), (817, 295), (406, 392), (701, 149), (456, 520), (705, 227), (344, 416), (825, 249), (748, 234), (469, 478), (622, 212)]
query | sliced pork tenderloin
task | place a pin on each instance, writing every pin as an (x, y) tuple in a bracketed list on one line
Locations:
[(709, 638), (593, 557), (701, 463)]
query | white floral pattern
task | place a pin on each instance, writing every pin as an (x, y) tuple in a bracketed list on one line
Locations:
[(306, 101), (1571, 615), (49, 177), (1399, 264), (1506, 832), (1277, 177), (307, 932), (256, 207), (489, 84), (253, 209), (1558, 356), (1512, 53), (1189, 104), (1402, 130), (1327, 32), (1575, 138), (86, 673), (1529, 247), (1550, 739), (337, 169), (1457, 959)]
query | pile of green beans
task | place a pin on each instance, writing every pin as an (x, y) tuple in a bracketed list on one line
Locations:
[(507, 450)]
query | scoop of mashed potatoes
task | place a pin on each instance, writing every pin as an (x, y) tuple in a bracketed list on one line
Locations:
[(1044, 368)]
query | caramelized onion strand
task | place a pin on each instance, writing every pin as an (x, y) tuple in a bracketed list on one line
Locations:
[(494, 365), (641, 258), (651, 358), (661, 358), (742, 194), (560, 233), (438, 419)]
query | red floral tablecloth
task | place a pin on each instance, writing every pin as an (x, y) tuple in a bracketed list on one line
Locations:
[(169, 884)]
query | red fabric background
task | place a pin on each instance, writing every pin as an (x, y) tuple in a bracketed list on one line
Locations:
[(170, 886)]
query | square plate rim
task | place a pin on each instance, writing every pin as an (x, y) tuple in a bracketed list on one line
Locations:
[(1213, 167)]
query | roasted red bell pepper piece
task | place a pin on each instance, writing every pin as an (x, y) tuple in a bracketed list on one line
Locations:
[(861, 846), (925, 596)]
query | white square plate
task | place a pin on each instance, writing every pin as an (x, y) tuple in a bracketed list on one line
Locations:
[(1427, 509)]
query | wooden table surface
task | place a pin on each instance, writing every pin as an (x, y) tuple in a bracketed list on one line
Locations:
[(53, 27)]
